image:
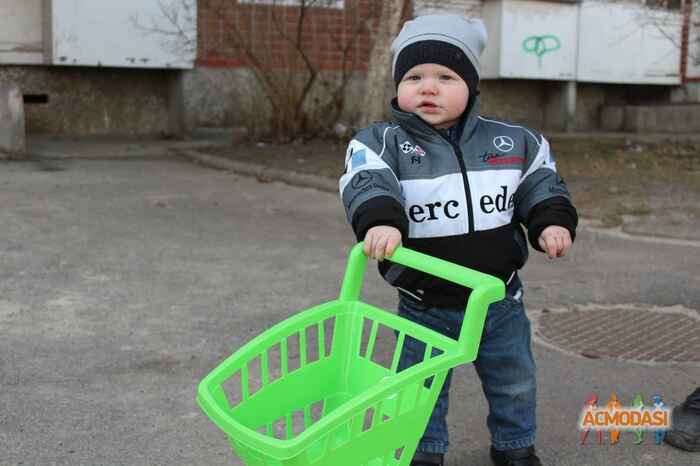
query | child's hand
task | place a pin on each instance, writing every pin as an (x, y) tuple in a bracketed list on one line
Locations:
[(381, 241), (555, 241)]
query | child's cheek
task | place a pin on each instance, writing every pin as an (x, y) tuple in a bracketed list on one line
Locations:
[(405, 102)]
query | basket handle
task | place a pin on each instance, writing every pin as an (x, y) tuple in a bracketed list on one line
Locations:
[(486, 289)]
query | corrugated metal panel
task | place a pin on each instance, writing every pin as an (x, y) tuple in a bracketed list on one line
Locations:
[(128, 33), (21, 38), (530, 39), (591, 41), (539, 40), (628, 44)]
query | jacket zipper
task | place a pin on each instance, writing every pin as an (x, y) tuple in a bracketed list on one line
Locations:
[(463, 168), (465, 179)]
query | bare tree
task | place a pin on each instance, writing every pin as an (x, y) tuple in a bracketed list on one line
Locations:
[(303, 105), (304, 101), (175, 28), (650, 16), (376, 95)]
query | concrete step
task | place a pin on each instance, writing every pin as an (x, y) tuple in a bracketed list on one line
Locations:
[(658, 118)]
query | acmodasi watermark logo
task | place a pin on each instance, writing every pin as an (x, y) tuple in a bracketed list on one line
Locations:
[(614, 418)]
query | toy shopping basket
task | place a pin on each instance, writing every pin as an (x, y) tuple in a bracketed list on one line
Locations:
[(311, 390)]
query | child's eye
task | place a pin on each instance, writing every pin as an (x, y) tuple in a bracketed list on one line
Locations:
[(413, 77), (445, 77)]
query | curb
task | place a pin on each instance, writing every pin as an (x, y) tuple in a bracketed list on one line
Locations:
[(327, 185), (260, 171), (135, 150)]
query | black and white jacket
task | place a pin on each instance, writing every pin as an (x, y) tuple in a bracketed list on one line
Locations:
[(459, 194)]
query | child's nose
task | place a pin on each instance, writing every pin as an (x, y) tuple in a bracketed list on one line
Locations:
[(429, 86)]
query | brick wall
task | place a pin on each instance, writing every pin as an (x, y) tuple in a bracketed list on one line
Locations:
[(223, 93), (267, 30), (331, 37)]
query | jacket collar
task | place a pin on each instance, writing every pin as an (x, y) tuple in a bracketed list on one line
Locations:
[(415, 124)]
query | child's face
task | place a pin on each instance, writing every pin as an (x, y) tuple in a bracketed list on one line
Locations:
[(435, 93)]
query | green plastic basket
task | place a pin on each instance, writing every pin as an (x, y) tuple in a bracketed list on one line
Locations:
[(310, 390)]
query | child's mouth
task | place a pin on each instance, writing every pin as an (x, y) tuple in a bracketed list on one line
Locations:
[(428, 107)]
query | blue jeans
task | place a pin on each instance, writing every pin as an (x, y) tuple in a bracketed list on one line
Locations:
[(504, 364)]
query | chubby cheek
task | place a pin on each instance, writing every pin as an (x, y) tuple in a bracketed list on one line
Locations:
[(406, 100)]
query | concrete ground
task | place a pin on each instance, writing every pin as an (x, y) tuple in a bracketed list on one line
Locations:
[(124, 282)]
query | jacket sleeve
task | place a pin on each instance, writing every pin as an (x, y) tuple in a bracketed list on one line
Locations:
[(542, 198), (369, 188)]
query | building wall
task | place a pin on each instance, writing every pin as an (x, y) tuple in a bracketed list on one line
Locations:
[(222, 65), (92, 101), (21, 37), (691, 59), (86, 100), (462, 7), (231, 97), (518, 101), (526, 102), (223, 90), (228, 29), (590, 100), (223, 96)]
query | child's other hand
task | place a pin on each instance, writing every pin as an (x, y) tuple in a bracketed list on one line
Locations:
[(381, 241), (555, 241)]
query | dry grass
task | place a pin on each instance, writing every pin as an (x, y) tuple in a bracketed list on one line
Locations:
[(610, 179), (613, 179)]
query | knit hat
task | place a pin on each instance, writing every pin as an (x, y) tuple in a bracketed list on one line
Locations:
[(449, 40)]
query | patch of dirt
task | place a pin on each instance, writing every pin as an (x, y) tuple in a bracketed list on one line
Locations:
[(318, 157), (644, 187)]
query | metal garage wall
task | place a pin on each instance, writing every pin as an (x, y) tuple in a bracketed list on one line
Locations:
[(590, 41), (628, 43), (21, 38), (127, 33), (531, 39)]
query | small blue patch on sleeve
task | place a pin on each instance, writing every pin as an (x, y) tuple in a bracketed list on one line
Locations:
[(358, 159)]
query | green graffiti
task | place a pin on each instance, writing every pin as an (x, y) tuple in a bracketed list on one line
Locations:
[(541, 45)]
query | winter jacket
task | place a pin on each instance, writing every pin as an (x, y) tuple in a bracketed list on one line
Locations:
[(460, 195)]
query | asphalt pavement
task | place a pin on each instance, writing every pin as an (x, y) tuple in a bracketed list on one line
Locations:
[(125, 280)]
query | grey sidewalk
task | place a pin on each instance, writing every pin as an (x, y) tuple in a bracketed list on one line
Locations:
[(47, 150), (102, 148), (125, 281)]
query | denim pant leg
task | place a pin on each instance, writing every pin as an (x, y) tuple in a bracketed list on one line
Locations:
[(506, 368), (435, 438), (504, 364)]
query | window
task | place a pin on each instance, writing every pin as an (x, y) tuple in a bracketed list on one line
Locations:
[(665, 4), (335, 4)]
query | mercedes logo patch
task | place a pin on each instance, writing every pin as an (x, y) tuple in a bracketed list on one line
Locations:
[(503, 143), (361, 179)]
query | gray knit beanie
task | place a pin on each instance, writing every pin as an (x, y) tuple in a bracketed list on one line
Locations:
[(450, 40)]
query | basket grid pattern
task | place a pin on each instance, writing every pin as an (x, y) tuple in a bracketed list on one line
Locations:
[(378, 343), (326, 387), (282, 357)]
